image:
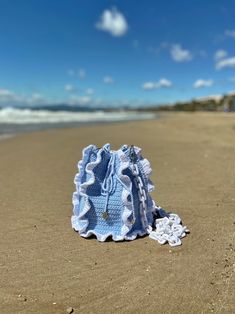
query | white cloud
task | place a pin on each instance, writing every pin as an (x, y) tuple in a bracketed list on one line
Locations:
[(69, 88), (5, 92), (149, 85), (162, 83), (108, 79), (232, 79), (82, 74), (225, 63), (71, 72), (220, 54), (80, 100), (37, 96), (179, 54), (89, 91), (10, 98), (202, 83), (113, 22), (34, 99), (230, 33)]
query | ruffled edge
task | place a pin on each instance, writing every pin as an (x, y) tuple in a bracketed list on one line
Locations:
[(81, 170), (146, 167), (126, 192), (80, 223)]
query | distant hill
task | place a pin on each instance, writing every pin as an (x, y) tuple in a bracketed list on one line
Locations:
[(62, 107), (209, 103)]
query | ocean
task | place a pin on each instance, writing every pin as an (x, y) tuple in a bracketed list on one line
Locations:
[(18, 120)]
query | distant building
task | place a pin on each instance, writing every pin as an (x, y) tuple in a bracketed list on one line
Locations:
[(226, 105), (233, 104), (221, 103)]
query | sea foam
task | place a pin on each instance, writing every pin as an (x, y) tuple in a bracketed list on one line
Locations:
[(28, 116)]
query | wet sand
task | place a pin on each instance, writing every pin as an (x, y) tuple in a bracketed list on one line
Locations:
[(46, 267)]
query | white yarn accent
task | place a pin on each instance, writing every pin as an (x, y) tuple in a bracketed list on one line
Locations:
[(128, 205), (126, 193), (168, 228)]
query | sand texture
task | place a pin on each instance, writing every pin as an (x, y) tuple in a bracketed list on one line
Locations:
[(46, 267)]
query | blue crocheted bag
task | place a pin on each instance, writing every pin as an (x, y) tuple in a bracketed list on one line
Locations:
[(112, 198), (112, 194)]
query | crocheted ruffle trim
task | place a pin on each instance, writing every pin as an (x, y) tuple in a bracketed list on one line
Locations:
[(79, 221), (81, 171)]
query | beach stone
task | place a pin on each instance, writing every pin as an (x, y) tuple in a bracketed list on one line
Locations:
[(69, 310), (22, 298)]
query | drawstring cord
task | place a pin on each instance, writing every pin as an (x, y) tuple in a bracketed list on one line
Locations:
[(109, 184)]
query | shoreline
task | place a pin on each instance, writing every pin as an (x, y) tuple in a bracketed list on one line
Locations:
[(60, 126), (15, 120), (38, 127)]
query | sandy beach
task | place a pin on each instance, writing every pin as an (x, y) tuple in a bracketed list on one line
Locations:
[(46, 267)]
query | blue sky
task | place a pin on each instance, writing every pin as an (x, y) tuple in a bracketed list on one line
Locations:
[(115, 52)]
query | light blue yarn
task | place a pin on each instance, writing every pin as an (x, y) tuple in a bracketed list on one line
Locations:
[(106, 184)]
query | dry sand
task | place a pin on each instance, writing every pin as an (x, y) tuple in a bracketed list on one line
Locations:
[(46, 267)]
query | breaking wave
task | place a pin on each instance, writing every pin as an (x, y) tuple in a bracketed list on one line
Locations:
[(29, 116)]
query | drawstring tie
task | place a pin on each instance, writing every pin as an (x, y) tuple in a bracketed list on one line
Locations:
[(109, 184)]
